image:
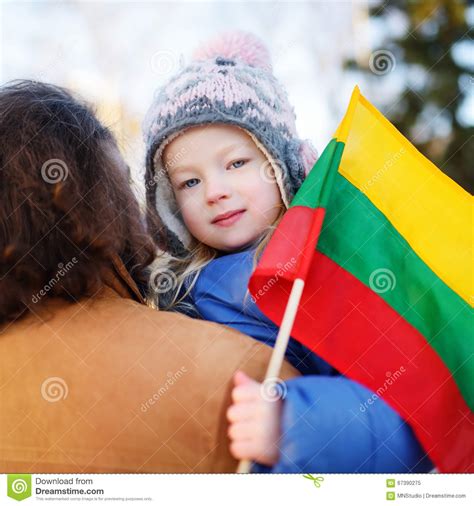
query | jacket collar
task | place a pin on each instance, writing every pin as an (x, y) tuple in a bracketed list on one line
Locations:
[(120, 281)]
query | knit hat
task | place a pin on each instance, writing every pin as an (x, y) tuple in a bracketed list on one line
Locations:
[(229, 81)]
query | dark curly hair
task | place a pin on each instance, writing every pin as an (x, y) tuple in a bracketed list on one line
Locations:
[(65, 200)]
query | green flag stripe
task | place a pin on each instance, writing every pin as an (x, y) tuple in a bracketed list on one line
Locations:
[(332, 173), (360, 239), (316, 188)]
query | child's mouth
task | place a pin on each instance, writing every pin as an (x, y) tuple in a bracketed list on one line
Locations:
[(229, 219)]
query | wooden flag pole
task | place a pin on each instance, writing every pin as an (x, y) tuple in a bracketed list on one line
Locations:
[(281, 344)]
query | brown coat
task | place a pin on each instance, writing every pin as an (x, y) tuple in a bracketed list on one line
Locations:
[(110, 385)]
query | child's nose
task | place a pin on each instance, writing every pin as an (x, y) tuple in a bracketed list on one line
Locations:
[(216, 191)]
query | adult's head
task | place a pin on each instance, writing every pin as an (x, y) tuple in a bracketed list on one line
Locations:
[(66, 209)]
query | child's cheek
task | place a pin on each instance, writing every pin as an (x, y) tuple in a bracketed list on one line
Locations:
[(264, 193), (187, 203), (193, 215), (251, 185)]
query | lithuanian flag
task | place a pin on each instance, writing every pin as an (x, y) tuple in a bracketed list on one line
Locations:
[(388, 285)]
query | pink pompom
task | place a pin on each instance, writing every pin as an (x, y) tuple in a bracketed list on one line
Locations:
[(240, 45)]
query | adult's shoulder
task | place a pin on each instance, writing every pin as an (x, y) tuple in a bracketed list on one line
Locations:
[(111, 385)]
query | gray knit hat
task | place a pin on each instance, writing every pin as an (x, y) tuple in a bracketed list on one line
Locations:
[(229, 81)]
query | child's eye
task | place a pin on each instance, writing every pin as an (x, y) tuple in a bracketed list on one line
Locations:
[(237, 164), (190, 183)]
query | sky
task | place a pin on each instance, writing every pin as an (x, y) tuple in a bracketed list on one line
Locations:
[(116, 54)]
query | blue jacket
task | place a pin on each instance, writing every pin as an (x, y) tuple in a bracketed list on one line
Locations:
[(325, 426)]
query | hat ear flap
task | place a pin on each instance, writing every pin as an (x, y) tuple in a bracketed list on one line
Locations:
[(308, 156), (300, 157)]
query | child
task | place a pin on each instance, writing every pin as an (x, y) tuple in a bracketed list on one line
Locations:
[(223, 163), (214, 157)]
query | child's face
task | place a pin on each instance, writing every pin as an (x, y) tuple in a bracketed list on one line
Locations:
[(215, 170)]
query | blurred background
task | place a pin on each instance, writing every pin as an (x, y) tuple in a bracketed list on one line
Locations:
[(414, 60)]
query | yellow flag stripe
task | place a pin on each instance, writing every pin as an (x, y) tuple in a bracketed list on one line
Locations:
[(342, 131), (431, 211)]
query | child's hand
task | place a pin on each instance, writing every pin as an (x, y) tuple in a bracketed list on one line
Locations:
[(254, 422)]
